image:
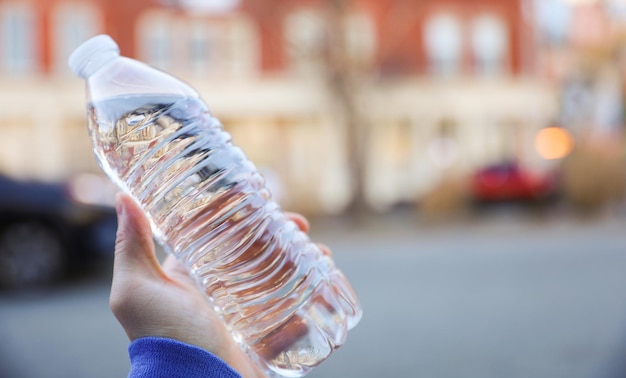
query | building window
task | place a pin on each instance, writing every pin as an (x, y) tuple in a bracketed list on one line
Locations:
[(305, 36), (159, 48), (209, 6), (360, 37), (73, 23), (203, 48), (156, 35), (198, 45), (489, 44), (444, 44), (244, 46), (18, 42)]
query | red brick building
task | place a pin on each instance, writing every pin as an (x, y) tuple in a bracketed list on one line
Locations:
[(425, 70), (402, 37)]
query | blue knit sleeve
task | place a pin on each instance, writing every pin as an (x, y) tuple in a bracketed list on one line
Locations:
[(153, 357)]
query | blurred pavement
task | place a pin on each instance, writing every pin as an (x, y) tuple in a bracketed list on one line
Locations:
[(498, 297)]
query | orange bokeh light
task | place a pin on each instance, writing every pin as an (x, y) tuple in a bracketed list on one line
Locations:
[(554, 143)]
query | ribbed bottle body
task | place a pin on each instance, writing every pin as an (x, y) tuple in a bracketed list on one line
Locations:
[(281, 298)]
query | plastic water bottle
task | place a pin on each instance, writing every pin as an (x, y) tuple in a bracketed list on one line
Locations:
[(282, 299)]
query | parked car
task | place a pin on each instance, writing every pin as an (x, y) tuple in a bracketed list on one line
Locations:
[(46, 232), (510, 182)]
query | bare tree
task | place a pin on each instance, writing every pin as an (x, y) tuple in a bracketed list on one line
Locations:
[(344, 73)]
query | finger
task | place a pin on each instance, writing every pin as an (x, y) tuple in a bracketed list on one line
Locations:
[(325, 249), (302, 223), (134, 247)]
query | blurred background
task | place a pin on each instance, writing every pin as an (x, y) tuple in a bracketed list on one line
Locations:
[(465, 159)]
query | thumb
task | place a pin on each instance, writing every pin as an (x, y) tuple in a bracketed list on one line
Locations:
[(134, 247)]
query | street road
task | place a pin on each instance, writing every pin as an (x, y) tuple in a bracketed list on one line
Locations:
[(492, 298)]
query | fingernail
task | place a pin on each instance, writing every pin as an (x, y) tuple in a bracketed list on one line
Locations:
[(119, 206)]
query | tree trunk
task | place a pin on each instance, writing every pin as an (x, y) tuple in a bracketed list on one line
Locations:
[(343, 75)]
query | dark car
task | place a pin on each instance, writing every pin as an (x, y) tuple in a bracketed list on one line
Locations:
[(511, 182), (46, 233)]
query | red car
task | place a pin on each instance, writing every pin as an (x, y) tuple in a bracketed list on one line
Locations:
[(511, 182)]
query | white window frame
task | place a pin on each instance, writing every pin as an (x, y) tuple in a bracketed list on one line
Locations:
[(72, 23), (490, 44), (304, 32), (443, 42), (19, 42), (361, 36), (156, 39)]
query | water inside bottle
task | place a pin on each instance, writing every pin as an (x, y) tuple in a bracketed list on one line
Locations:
[(281, 298)]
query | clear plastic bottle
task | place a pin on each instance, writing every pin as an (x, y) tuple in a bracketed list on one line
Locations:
[(282, 299)]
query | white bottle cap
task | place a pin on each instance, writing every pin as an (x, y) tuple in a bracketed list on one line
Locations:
[(93, 54)]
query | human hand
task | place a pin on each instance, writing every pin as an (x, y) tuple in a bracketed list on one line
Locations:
[(150, 299)]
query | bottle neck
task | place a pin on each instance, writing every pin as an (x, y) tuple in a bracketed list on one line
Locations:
[(93, 54), (95, 62)]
